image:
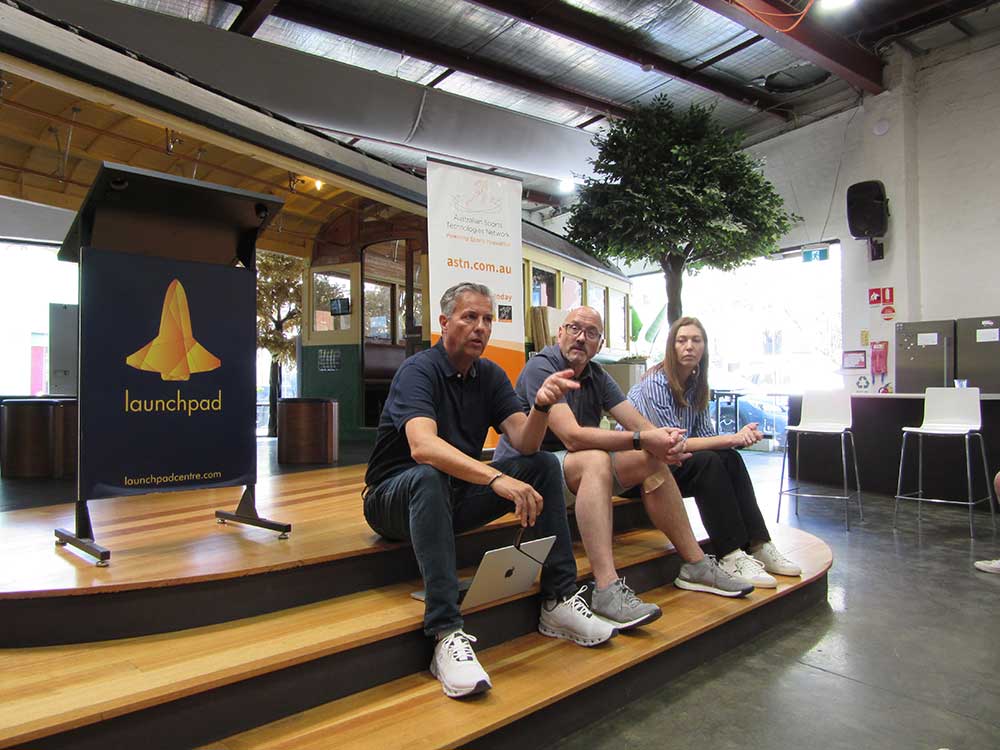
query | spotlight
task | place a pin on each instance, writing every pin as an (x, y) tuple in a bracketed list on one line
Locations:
[(834, 4), (319, 184)]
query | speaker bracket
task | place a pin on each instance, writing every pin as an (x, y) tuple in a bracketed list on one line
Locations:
[(876, 249)]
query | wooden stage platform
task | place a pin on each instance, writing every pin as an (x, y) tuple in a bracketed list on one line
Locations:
[(199, 631)]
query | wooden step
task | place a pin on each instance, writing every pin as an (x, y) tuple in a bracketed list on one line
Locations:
[(173, 567), (56, 689), (528, 674)]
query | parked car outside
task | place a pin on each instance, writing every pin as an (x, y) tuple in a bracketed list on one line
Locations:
[(769, 412)]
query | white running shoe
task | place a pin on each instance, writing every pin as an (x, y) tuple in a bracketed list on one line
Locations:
[(988, 566), (775, 562), (740, 565), (572, 619), (456, 666)]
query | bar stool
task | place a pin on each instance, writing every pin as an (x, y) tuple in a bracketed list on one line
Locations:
[(823, 413), (948, 412)]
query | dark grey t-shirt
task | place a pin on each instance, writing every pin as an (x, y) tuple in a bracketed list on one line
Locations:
[(598, 393)]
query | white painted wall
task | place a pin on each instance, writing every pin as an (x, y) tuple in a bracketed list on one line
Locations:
[(958, 131), (938, 156)]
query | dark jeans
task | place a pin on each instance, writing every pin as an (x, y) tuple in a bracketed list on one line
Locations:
[(428, 508), (726, 501)]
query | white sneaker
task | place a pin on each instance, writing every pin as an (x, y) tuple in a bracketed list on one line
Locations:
[(988, 566), (456, 666), (745, 568), (775, 562), (572, 619)]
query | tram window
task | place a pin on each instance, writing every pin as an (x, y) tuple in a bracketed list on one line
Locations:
[(331, 294), (543, 287), (418, 314), (572, 292), (378, 312), (617, 328), (595, 298)]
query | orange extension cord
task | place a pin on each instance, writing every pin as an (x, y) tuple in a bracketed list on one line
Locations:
[(799, 16)]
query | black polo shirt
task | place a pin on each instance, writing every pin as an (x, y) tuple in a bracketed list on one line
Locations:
[(598, 393), (464, 407)]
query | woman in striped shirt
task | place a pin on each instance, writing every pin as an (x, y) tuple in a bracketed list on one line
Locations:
[(674, 393)]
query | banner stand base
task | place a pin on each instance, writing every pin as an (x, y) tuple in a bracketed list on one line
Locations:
[(83, 539), (246, 513)]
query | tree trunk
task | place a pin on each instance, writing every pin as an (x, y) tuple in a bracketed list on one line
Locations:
[(272, 413), (673, 272)]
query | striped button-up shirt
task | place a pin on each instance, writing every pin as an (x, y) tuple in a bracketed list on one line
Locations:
[(655, 401)]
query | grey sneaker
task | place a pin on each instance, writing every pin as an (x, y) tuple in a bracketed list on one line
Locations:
[(706, 575), (619, 605)]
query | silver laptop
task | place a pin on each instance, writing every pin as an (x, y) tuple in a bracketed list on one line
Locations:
[(503, 572)]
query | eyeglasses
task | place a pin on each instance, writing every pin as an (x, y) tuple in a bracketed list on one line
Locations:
[(591, 333)]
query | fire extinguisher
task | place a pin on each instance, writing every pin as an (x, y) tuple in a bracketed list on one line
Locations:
[(880, 361)]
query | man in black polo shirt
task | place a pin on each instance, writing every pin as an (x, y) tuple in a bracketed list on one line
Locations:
[(600, 463), (425, 483)]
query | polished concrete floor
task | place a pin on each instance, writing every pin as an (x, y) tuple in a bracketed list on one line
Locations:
[(904, 654)]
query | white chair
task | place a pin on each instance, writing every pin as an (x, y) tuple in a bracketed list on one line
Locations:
[(823, 413), (948, 412)]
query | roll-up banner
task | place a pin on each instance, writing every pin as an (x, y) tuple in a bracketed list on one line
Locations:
[(167, 358), (474, 234)]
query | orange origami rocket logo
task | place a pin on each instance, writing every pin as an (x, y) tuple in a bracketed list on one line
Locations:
[(174, 353)]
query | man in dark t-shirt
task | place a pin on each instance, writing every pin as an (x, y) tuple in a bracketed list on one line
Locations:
[(425, 482), (600, 463)]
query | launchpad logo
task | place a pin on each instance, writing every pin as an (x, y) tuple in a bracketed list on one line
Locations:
[(174, 353)]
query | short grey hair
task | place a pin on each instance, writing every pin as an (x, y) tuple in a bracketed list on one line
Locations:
[(449, 298)]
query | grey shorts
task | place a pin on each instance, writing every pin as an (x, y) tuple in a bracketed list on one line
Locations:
[(616, 486)]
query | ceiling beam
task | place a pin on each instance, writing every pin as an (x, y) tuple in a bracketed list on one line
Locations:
[(598, 33), (252, 16), (729, 52), (920, 17), (329, 20), (808, 41)]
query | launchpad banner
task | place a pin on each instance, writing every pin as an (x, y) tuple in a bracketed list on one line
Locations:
[(167, 375)]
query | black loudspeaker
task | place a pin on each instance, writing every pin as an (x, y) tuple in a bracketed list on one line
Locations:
[(867, 209)]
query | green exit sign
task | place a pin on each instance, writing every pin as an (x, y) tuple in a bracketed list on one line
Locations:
[(822, 253)]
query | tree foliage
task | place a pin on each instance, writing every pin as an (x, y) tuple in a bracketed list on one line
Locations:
[(279, 304), (674, 188), (279, 311)]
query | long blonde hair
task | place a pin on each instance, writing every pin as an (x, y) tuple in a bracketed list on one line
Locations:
[(670, 366)]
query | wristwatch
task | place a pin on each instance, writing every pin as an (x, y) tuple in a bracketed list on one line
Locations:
[(637, 440), (542, 409)]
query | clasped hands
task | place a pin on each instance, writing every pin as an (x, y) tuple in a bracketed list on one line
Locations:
[(666, 444)]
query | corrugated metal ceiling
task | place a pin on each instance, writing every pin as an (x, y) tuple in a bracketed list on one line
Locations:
[(679, 30)]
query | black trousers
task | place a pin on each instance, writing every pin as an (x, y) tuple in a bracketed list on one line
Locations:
[(721, 487)]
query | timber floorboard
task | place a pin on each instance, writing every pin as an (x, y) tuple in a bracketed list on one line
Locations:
[(172, 538)]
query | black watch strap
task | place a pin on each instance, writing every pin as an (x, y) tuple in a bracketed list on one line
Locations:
[(542, 409), (637, 440)]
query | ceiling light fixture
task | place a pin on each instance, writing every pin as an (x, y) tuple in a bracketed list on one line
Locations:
[(319, 184), (826, 5)]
